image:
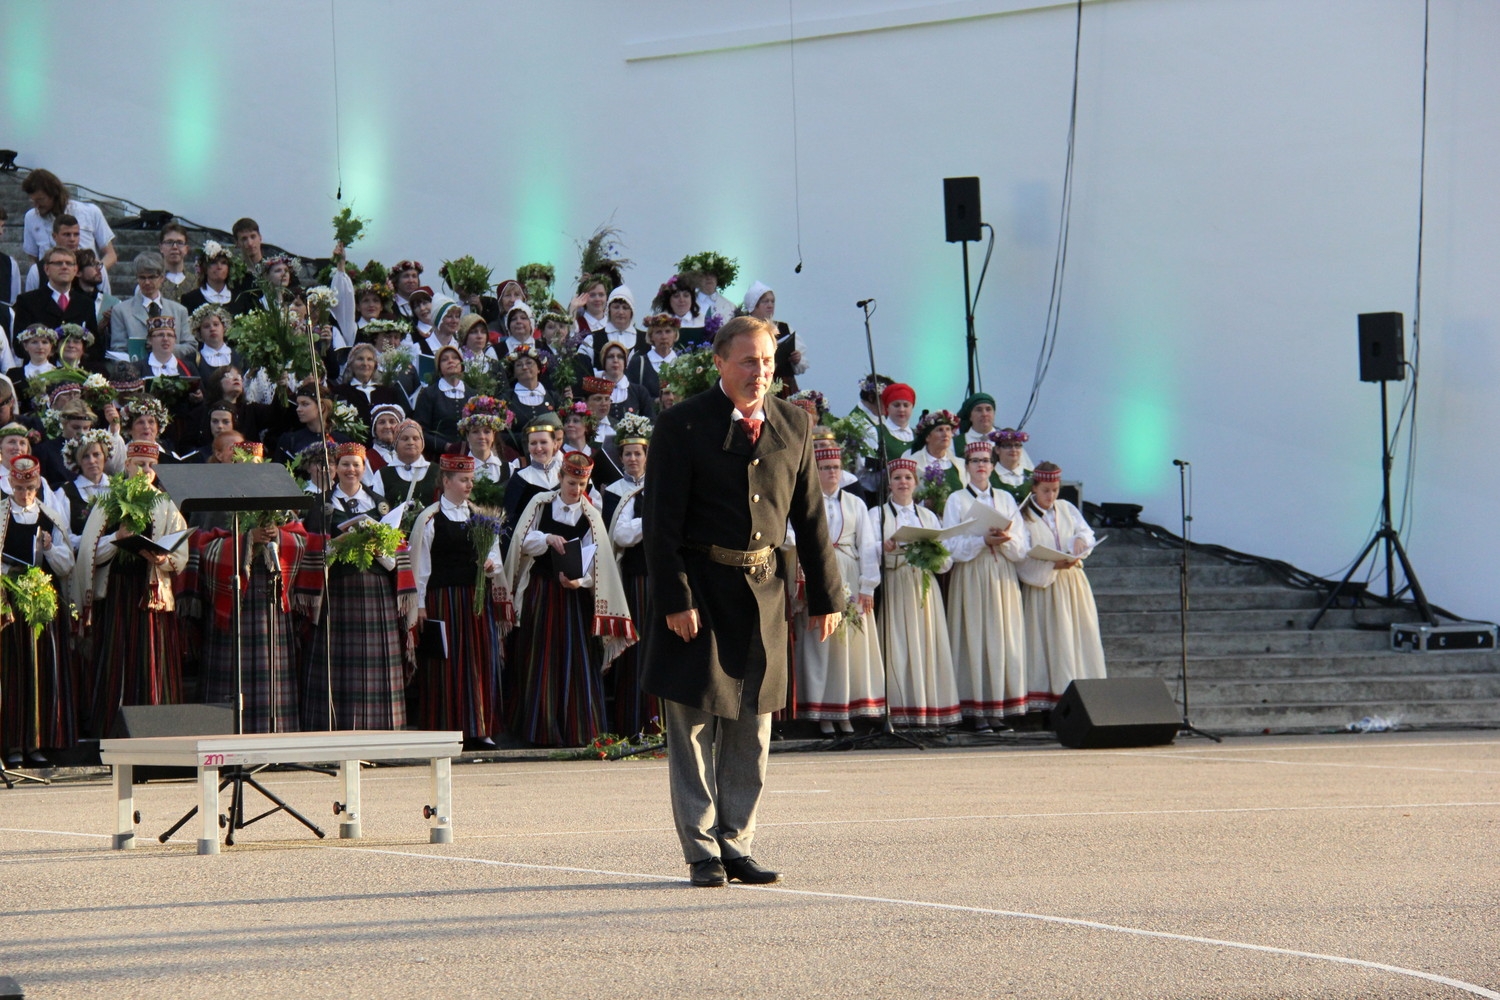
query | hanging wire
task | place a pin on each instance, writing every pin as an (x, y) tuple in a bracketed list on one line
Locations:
[(973, 304), (338, 139), (791, 47), (1415, 364), (1060, 262)]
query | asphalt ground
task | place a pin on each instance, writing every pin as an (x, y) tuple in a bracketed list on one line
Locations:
[(1344, 866)]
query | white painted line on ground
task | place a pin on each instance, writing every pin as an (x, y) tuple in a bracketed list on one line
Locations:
[(992, 817), (1298, 763), (1458, 984), (55, 833)]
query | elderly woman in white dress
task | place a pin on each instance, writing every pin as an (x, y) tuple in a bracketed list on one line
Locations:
[(986, 626), (845, 679), (1062, 623)]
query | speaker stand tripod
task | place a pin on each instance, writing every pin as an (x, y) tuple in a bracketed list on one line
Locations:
[(1387, 534), (1182, 593)]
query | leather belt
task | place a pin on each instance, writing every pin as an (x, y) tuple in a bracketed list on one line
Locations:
[(736, 557)]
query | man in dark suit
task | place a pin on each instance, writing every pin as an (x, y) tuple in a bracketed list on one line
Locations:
[(58, 301), (729, 468)]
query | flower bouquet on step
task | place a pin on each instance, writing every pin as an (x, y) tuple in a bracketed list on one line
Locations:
[(484, 532), (466, 276), (927, 556), (691, 373), (364, 543)]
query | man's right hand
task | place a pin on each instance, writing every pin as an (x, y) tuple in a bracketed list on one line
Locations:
[(684, 624)]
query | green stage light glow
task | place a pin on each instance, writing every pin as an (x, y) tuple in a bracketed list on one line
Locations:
[(366, 182), (1143, 432), (540, 233), (28, 51)]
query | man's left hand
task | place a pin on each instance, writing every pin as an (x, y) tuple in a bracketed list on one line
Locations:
[(825, 625)]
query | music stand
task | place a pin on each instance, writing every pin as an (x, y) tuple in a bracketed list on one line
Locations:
[(235, 489)]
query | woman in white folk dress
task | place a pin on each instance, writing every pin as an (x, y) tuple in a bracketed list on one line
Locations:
[(986, 626), (1062, 623), (921, 691), (844, 679)]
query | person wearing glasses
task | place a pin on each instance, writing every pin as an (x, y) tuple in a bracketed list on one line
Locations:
[(177, 278), (60, 300)]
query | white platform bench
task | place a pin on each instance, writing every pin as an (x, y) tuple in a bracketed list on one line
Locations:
[(209, 753)]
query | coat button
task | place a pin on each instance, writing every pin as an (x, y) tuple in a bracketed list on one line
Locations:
[(755, 461), (757, 536), (755, 499)]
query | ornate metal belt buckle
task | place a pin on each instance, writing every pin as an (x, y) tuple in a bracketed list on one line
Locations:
[(761, 572)]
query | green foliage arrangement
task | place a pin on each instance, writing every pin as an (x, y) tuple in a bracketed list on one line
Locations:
[(362, 544), (927, 556), (348, 227), (131, 501), (466, 276)]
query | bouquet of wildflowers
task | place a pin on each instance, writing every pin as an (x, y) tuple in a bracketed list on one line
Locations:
[(932, 491), (362, 544), (691, 373), (484, 532), (466, 276), (927, 556)]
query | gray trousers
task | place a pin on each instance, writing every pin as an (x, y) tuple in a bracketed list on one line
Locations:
[(717, 768)]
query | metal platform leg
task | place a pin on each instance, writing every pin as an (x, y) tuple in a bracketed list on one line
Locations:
[(124, 774), (441, 831), (208, 810), (349, 829)]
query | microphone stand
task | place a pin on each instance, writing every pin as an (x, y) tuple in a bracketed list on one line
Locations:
[(887, 729), (1182, 592)]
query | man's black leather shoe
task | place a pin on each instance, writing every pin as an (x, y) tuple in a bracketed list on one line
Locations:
[(709, 873), (747, 871)]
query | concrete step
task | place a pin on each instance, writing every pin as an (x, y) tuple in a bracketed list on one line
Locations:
[(1251, 669), (1115, 600), (1134, 549), (1251, 620), (1322, 718), (1165, 644), (1308, 690), (1165, 577)]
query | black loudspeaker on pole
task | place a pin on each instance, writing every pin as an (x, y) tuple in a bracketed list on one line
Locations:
[(965, 225)]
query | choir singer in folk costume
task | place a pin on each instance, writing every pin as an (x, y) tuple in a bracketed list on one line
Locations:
[(729, 468)]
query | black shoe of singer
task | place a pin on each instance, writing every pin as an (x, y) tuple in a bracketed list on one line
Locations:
[(747, 871), (709, 873)]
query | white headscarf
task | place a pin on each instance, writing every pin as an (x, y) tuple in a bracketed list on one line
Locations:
[(754, 295)]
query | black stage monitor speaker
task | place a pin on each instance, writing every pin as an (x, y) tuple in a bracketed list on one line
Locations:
[(961, 209), (135, 721), (1116, 712), (1382, 354), (173, 720)]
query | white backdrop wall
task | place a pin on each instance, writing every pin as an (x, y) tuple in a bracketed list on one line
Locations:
[(1246, 183)]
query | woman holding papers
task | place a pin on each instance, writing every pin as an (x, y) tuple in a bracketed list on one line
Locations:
[(844, 679), (1062, 624), (365, 626), (128, 597), (563, 590), (986, 626), (922, 690), (452, 559), (37, 690)]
